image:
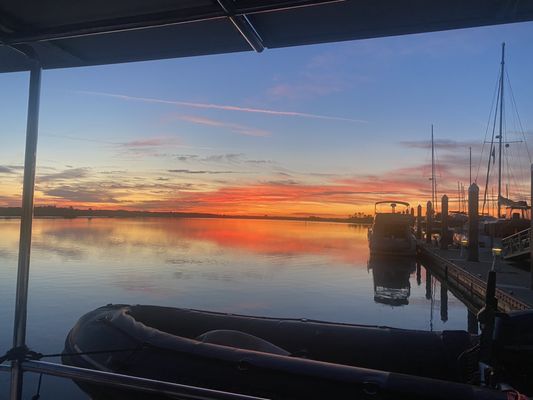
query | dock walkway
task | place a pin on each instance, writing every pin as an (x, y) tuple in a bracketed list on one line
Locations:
[(467, 279)]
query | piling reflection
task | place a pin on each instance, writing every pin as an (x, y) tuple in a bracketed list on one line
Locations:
[(391, 279)]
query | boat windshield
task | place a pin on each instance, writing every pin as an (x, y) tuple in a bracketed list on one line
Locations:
[(393, 207)]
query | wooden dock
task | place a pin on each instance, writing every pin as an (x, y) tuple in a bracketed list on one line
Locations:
[(467, 280)]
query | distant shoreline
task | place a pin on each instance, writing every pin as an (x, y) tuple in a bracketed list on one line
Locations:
[(69, 213)]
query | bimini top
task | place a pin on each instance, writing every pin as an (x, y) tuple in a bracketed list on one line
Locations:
[(70, 33)]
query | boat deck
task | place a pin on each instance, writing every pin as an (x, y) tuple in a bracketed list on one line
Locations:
[(468, 278)]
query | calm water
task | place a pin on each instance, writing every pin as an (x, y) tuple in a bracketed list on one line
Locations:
[(271, 268)]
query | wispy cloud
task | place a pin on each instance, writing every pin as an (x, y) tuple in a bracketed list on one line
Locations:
[(304, 90), (237, 128), (190, 171), (73, 173), (6, 170), (224, 158), (80, 194), (150, 142), (444, 144), (225, 107)]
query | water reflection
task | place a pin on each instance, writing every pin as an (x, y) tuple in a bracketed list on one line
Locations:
[(270, 268), (391, 279)]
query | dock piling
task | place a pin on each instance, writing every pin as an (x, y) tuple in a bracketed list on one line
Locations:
[(429, 293), (443, 302), (531, 234), (419, 222), (473, 223), (429, 218), (444, 224)]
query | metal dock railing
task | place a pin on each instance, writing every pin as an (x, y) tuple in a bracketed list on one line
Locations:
[(470, 287), (517, 245)]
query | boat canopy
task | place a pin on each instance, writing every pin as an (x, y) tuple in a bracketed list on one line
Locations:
[(63, 33)]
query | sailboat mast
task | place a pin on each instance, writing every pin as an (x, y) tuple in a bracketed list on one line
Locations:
[(433, 183), (470, 151), (500, 137), (459, 195)]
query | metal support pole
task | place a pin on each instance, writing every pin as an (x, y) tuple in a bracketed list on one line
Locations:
[(21, 301), (141, 385), (419, 222), (444, 224), (429, 213), (473, 223)]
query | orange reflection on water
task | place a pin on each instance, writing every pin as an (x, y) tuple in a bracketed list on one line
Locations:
[(341, 243)]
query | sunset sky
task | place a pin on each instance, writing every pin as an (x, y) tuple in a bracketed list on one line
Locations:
[(314, 130)]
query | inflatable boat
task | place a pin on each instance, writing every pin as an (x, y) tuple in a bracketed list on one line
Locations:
[(270, 357)]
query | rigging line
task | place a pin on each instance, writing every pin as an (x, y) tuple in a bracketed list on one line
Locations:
[(509, 157), (439, 174), (511, 177), (513, 101), (492, 148), (494, 98)]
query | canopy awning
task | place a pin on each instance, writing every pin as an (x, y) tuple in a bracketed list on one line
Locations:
[(70, 33)]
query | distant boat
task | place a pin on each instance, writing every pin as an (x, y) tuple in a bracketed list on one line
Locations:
[(392, 232)]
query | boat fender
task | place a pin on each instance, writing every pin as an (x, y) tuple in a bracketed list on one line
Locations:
[(241, 340)]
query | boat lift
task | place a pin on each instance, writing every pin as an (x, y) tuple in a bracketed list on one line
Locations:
[(31, 40)]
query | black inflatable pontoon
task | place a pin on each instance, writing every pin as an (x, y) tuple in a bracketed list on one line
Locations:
[(273, 358)]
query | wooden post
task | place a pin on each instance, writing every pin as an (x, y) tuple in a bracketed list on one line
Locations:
[(444, 224), (419, 222), (429, 217), (412, 211), (473, 223), (531, 234)]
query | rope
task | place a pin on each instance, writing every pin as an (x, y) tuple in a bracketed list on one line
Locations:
[(37, 395)]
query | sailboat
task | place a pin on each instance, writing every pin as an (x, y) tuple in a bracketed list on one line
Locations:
[(512, 216)]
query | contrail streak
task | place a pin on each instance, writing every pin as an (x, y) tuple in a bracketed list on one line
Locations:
[(222, 107)]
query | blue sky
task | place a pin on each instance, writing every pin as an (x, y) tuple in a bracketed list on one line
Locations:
[(245, 120)]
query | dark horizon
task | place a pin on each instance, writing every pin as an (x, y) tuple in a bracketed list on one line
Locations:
[(70, 212)]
